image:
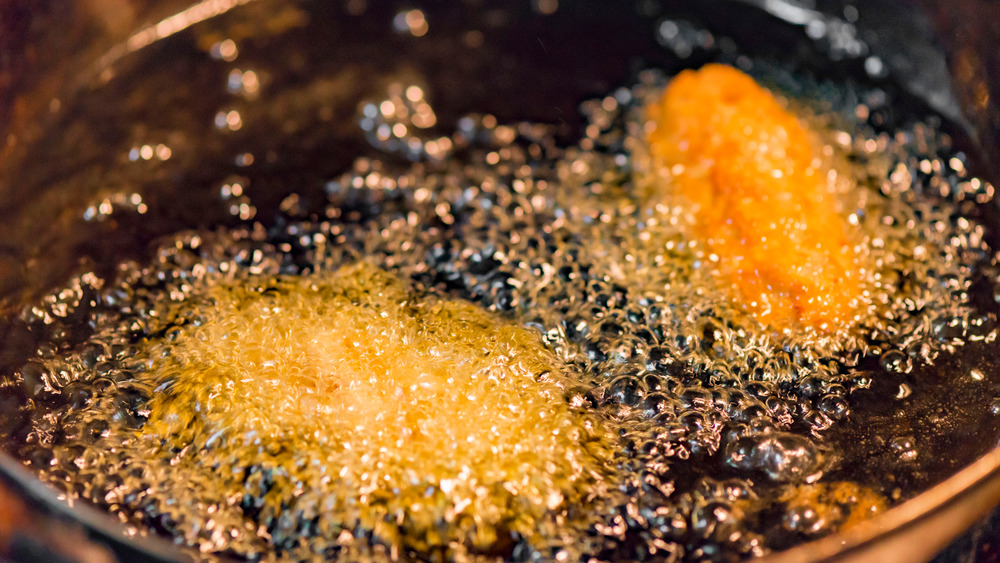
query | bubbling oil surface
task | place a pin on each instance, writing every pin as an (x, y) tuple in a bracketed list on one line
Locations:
[(348, 398), (729, 436)]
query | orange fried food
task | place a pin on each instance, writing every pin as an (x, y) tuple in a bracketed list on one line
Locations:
[(752, 176)]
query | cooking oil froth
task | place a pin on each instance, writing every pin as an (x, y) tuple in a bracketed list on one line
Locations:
[(355, 403)]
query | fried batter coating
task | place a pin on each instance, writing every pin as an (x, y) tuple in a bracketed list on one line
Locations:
[(761, 196)]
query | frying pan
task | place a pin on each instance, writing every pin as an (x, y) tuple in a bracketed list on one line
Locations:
[(80, 80)]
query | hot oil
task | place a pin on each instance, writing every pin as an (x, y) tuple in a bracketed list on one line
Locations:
[(353, 403), (729, 439)]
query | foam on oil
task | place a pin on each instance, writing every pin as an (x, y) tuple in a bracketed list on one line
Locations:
[(350, 398)]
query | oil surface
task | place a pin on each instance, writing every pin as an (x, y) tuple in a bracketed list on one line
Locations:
[(354, 403), (730, 439)]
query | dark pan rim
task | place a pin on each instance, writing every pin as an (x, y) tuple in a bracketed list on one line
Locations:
[(981, 477), (978, 478)]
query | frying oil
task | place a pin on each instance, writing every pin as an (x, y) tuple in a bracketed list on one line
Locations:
[(500, 350)]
